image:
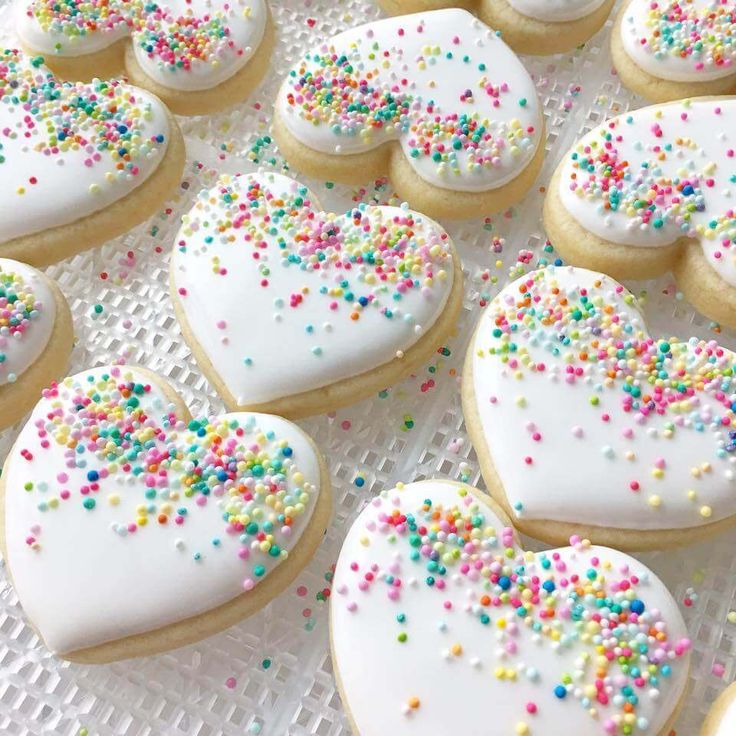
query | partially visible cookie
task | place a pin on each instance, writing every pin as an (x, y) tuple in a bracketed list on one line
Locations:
[(129, 527), (36, 337), (435, 100), (79, 163), (441, 623), (528, 26), (668, 49), (652, 191), (196, 56), (294, 311), (721, 720)]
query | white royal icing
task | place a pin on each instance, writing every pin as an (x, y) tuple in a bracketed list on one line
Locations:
[(402, 573), (284, 298), (86, 576), (571, 443), (58, 162), (556, 10), (27, 314), (681, 40), (649, 177), (187, 45), (727, 724), (418, 75)]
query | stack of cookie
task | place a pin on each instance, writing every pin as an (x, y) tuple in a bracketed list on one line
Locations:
[(588, 430)]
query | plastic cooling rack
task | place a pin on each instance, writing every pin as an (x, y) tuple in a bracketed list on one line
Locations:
[(272, 674)]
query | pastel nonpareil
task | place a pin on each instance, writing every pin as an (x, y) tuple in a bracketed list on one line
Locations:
[(130, 527), (654, 190), (435, 100), (79, 163), (196, 55), (442, 623), (585, 423), (293, 310)]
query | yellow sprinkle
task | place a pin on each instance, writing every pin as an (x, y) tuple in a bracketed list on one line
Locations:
[(655, 501)]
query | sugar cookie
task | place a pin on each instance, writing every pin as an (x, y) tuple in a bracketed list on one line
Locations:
[(528, 26), (585, 424), (36, 337), (130, 528), (441, 623), (436, 100), (650, 191), (79, 163), (195, 55), (721, 720), (295, 311), (668, 49)]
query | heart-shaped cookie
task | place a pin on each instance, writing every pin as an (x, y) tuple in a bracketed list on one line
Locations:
[(295, 311), (586, 424), (131, 528), (436, 100), (721, 720), (669, 49), (36, 337), (197, 56), (650, 191), (79, 163), (527, 26), (441, 623)]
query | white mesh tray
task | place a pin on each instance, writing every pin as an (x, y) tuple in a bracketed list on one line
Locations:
[(272, 674)]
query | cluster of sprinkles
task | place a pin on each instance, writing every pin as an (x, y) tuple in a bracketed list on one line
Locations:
[(367, 93), (662, 387), (373, 259), (104, 120), (175, 41), (18, 309), (112, 427), (578, 602), (670, 189), (702, 32)]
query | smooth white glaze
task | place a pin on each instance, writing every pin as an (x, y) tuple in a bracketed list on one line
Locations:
[(418, 46), (727, 724), (556, 11), (45, 183), (649, 32), (240, 309), (244, 20), (702, 138), (82, 582), (584, 456), (460, 691), (21, 349)]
